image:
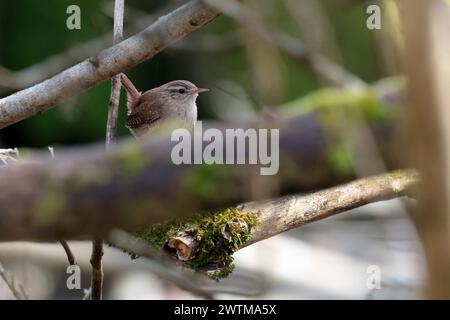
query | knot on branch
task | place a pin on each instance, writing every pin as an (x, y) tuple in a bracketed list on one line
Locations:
[(205, 242)]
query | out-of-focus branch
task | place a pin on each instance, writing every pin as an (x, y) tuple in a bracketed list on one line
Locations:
[(128, 187), (294, 48), (15, 287), (109, 62), (244, 282), (97, 269), (111, 126), (318, 36), (7, 155), (428, 136)]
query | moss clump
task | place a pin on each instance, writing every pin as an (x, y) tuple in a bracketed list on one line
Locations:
[(219, 235)]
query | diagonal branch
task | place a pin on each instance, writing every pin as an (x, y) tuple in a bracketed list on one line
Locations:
[(107, 63), (291, 212), (68, 251), (188, 241), (16, 288), (326, 68)]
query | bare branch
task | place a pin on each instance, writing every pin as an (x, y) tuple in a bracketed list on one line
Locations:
[(113, 107), (111, 127), (97, 269), (69, 253), (291, 212), (15, 287), (182, 276), (109, 62), (283, 214)]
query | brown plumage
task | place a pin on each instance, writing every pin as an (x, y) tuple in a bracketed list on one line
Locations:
[(174, 100)]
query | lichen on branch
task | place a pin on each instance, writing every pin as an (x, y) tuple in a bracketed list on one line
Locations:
[(206, 242)]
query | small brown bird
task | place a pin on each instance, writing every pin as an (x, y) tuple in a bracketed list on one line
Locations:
[(175, 101)]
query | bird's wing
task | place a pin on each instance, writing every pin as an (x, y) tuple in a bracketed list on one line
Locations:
[(146, 112)]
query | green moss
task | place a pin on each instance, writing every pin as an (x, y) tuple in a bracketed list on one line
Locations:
[(220, 235), (340, 158), (132, 160), (333, 100), (205, 180), (49, 206)]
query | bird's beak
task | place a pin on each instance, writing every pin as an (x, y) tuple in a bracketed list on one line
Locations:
[(200, 90)]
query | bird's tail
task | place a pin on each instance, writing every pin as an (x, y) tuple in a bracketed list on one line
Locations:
[(132, 93)]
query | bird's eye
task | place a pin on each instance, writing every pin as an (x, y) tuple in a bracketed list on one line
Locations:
[(181, 90)]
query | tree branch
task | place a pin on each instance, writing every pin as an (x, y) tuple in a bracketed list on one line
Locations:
[(274, 217), (111, 126), (327, 69), (16, 288), (97, 269), (113, 106), (291, 212), (106, 64), (69, 253)]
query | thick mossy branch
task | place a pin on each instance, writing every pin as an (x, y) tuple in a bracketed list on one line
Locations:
[(206, 242)]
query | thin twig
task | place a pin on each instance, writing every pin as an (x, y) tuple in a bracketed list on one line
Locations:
[(16, 288), (113, 106), (97, 269), (179, 274), (111, 125), (69, 253)]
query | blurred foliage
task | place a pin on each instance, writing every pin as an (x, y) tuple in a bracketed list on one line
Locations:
[(34, 30), (342, 107)]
